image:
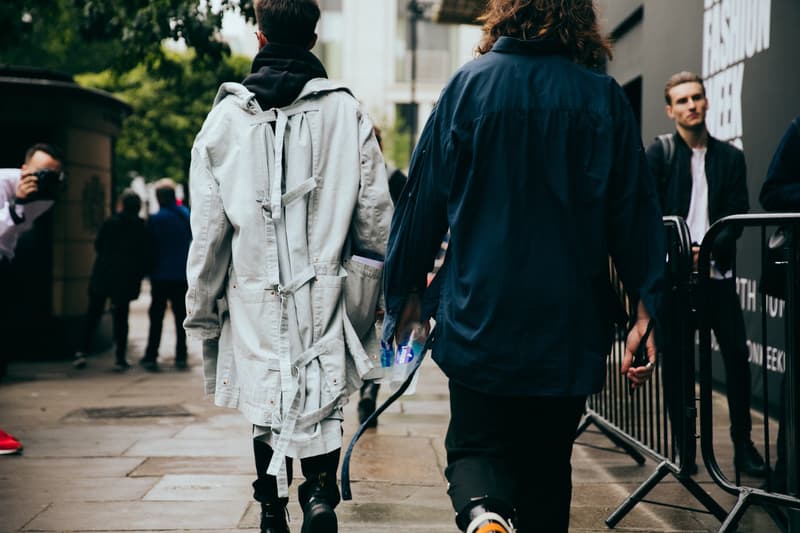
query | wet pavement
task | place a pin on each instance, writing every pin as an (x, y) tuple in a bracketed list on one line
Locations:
[(146, 451)]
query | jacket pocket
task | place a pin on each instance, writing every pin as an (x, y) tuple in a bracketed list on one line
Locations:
[(362, 289)]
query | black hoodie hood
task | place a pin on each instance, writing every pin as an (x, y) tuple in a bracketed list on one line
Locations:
[(280, 72)]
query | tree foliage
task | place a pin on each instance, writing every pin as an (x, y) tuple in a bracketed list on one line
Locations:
[(91, 35), (118, 46), (168, 111)]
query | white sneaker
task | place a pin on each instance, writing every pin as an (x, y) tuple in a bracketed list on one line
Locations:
[(489, 522)]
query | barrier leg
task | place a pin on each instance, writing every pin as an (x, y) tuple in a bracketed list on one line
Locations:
[(703, 497), (637, 495), (629, 449), (736, 513)]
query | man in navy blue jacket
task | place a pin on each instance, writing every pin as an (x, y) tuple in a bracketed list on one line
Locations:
[(534, 162), (172, 236)]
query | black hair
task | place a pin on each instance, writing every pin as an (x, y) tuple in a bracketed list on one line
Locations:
[(288, 21), (49, 149)]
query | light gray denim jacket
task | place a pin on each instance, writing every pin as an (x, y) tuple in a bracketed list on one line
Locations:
[(281, 199)]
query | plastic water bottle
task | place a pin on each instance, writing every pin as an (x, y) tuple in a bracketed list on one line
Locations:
[(408, 354)]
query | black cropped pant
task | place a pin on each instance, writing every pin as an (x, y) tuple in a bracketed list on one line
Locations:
[(514, 450)]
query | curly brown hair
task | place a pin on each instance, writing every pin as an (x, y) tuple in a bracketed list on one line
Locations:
[(572, 22)]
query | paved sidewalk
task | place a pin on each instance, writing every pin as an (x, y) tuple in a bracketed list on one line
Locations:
[(147, 452)]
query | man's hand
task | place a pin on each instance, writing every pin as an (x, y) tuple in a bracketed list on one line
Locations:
[(695, 256), (639, 375), (411, 313), (27, 185)]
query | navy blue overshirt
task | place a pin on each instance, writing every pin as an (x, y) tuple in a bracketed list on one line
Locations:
[(536, 165)]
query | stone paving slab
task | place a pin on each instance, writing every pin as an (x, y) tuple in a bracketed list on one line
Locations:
[(162, 466), (89, 516), (24, 467), (94, 441), (191, 448), (195, 488), (107, 489)]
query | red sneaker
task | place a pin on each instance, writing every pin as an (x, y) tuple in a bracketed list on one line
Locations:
[(9, 444)]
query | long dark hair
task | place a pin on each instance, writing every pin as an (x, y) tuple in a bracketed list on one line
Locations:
[(572, 22)]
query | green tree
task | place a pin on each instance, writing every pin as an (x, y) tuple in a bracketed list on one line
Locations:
[(168, 111), (78, 36)]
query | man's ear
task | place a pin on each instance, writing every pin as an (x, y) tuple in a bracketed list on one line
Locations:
[(312, 42), (670, 114), (262, 39)]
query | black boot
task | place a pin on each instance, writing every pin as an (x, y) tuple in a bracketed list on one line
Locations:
[(367, 403), (318, 496), (747, 460), (273, 516)]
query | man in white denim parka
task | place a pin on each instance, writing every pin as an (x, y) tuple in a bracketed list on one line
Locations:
[(290, 217)]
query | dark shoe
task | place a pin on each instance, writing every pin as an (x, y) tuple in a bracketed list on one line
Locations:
[(181, 364), (318, 497), (273, 517), (79, 361), (366, 406), (121, 365), (747, 460), (149, 364)]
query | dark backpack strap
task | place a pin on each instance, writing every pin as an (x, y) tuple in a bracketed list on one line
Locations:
[(668, 147), (668, 150)]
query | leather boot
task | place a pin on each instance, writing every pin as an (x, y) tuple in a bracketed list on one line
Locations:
[(273, 516), (747, 460), (318, 497), (367, 403)]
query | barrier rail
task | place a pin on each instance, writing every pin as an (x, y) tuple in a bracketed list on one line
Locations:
[(748, 495), (657, 420)]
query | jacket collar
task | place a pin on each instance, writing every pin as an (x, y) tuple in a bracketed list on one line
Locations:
[(511, 45)]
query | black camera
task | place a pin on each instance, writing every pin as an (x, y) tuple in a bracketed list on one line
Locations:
[(48, 184)]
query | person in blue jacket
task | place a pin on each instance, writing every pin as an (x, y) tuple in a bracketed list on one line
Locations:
[(534, 161), (172, 237)]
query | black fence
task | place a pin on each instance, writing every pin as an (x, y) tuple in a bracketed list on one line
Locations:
[(774, 494), (659, 420)]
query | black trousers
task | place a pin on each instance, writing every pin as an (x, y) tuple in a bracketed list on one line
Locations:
[(516, 451), (727, 323), (119, 316), (265, 487), (162, 292)]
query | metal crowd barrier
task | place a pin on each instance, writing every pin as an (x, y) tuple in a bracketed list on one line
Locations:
[(771, 501), (658, 419)]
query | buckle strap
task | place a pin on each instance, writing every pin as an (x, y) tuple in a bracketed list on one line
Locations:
[(277, 465), (277, 179), (301, 190), (306, 275)]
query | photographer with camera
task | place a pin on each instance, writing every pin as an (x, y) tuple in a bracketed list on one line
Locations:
[(25, 193)]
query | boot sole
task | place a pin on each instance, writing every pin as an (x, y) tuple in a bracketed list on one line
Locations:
[(321, 523)]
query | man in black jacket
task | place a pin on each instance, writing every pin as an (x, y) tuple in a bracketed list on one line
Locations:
[(124, 255), (702, 180)]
